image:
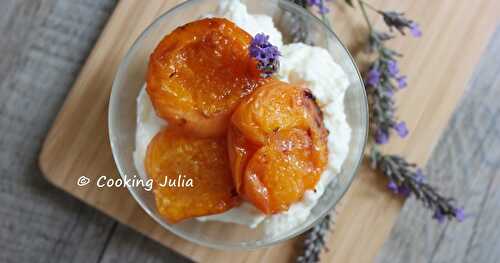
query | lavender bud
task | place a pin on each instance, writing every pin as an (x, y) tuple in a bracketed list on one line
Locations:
[(320, 5), (401, 129), (439, 215), (415, 30), (392, 186), (392, 67), (389, 92), (373, 77), (419, 176), (396, 20), (324, 10), (401, 80), (404, 191), (459, 214), (265, 53), (381, 136)]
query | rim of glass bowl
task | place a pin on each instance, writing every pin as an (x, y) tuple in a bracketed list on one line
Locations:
[(241, 245)]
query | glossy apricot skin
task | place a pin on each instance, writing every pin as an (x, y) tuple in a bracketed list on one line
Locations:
[(274, 176), (277, 145), (319, 137), (199, 73), (171, 153), (273, 106), (240, 149)]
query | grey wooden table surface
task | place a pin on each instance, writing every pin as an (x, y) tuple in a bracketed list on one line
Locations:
[(43, 44)]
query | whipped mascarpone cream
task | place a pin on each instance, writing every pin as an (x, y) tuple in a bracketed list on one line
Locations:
[(300, 64)]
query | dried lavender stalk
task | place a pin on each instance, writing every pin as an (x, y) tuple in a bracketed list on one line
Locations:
[(315, 242), (406, 179), (302, 3), (382, 80)]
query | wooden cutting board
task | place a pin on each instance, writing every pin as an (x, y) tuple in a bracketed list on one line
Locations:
[(439, 65)]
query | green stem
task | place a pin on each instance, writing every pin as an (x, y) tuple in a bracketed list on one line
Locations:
[(370, 6), (365, 14)]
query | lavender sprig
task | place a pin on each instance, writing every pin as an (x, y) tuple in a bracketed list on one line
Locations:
[(392, 19), (315, 241), (400, 22), (406, 179), (266, 54), (382, 81)]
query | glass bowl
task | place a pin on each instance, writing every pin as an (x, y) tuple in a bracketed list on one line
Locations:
[(131, 77)]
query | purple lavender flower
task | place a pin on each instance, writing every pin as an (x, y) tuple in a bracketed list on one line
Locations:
[(401, 129), (393, 187), (415, 30), (381, 136), (439, 215), (320, 4), (389, 92), (419, 176), (459, 214), (373, 77), (400, 22), (265, 53), (392, 67), (313, 2), (260, 39), (401, 80), (407, 179), (324, 10), (404, 191)]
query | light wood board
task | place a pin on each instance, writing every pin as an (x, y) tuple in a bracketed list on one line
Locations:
[(466, 163), (439, 66)]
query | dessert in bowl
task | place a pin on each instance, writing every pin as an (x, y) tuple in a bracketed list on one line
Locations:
[(266, 156)]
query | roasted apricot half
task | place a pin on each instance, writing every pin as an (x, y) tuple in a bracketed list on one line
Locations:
[(172, 154), (275, 175), (277, 146), (198, 74), (273, 106), (240, 149)]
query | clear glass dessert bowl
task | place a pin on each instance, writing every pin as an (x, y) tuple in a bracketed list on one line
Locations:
[(130, 78)]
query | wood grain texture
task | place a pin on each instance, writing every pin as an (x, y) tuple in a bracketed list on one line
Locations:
[(126, 245), (455, 35), (43, 45), (466, 164)]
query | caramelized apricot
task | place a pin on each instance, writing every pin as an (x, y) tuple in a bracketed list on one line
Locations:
[(277, 146), (273, 106), (274, 177), (240, 150), (198, 74), (173, 153)]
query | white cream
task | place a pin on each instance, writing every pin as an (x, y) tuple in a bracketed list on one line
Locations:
[(300, 63), (236, 12), (148, 125)]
